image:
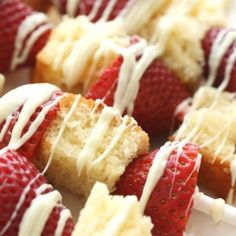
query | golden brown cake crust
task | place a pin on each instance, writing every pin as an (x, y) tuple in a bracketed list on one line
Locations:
[(215, 177)]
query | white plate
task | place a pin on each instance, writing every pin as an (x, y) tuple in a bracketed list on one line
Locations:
[(200, 224)]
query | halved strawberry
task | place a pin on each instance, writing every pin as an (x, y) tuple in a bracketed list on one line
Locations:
[(12, 14), (20, 182), (84, 7), (29, 148), (170, 203), (207, 45), (160, 92)]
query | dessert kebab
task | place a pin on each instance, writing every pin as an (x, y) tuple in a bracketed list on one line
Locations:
[(76, 141)]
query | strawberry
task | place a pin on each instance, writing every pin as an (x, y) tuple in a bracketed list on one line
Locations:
[(207, 44), (12, 14), (19, 178), (170, 203), (84, 7), (160, 92), (29, 148)]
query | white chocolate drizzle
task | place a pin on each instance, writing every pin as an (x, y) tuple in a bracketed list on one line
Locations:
[(220, 46), (30, 97), (183, 107), (115, 224), (96, 6), (134, 15), (65, 214), (88, 152), (120, 131), (108, 10), (33, 26), (36, 216), (130, 74), (19, 204), (71, 6), (84, 49), (87, 158)]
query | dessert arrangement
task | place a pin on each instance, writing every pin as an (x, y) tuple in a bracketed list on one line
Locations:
[(107, 78)]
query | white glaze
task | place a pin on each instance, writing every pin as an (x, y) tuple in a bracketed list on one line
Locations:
[(130, 74), (115, 224), (17, 140), (42, 189), (64, 216), (36, 216), (30, 97), (61, 131), (96, 6), (5, 127), (220, 46), (28, 25), (84, 49), (183, 107), (87, 154), (71, 6), (108, 10), (117, 137)]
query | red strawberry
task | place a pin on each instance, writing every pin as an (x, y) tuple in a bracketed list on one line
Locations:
[(16, 173), (84, 7), (30, 146), (169, 205), (158, 97), (12, 14), (207, 44)]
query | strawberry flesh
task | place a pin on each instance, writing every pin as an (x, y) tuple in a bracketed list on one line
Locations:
[(12, 14), (207, 44), (29, 148), (16, 173), (159, 94), (170, 203)]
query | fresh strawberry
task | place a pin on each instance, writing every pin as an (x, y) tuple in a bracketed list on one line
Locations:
[(159, 94), (84, 7), (29, 148), (19, 179), (207, 44), (170, 203), (12, 14)]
